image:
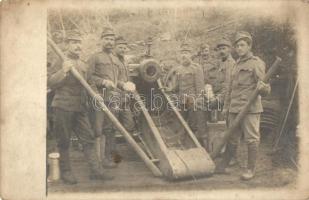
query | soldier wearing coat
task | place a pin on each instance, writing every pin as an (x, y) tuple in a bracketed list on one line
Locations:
[(106, 77), (209, 66), (70, 111), (246, 76), (225, 66), (189, 88), (125, 115)]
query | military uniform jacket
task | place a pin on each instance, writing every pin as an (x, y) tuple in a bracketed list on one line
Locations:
[(104, 67), (210, 71), (245, 75), (190, 81), (223, 76), (69, 93)]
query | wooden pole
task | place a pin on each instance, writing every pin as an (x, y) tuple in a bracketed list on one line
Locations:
[(150, 122), (109, 114), (180, 118), (244, 111)]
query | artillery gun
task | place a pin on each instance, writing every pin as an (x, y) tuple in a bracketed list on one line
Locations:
[(164, 135)]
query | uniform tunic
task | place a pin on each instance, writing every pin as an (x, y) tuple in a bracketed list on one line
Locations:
[(106, 66), (224, 76), (245, 75)]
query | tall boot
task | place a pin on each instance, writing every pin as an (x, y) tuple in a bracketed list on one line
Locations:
[(65, 167), (252, 157), (110, 145), (229, 152), (96, 171)]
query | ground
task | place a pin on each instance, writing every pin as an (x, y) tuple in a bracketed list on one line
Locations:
[(133, 175)]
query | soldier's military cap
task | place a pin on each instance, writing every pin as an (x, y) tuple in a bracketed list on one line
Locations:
[(242, 35), (224, 42), (107, 31), (120, 40), (73, 35), (204, 46), (185, 47)]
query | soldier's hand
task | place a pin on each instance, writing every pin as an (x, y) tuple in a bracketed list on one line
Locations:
[(261, 85), (98, 98), (129, 86), (67, 65), (108, 84)]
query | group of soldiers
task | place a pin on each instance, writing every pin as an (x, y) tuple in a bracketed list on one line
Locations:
[(107, 74), (232, 83)]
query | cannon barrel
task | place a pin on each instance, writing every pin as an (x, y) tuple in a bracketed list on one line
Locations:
[(148, 70)]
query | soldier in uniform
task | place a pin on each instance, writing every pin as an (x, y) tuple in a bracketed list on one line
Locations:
[(189, 86), (208, 65), (125, 115), (70, 111), (225, 66), (245, 78), (106, 76)]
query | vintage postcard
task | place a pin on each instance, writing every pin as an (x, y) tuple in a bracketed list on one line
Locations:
[(154, 99)]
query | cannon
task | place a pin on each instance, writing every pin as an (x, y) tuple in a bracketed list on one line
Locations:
[(164, 134)]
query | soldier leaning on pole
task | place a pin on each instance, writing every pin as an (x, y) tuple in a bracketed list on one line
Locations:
[(105, 75), (246, 76), (70, 112), (189, 87)]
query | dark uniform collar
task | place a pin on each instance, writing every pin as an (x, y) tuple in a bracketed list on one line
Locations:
[(245, 58)]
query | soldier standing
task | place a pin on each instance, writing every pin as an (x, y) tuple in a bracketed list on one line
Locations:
[(246, 76), (70, 112), (225, 66), (106, 75), (125, 115), (208, 65), (189, 86)]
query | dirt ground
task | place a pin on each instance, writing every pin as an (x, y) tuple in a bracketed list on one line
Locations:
[(132, 175)]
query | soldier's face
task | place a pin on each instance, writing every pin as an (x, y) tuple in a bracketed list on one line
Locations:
[(185, 57), (224, 51), (121, 49), (205, 53), (74, 47), (242, 48), (108, 42)]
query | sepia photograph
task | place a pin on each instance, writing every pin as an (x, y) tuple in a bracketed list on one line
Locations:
[(150, 98), (137, 98)]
